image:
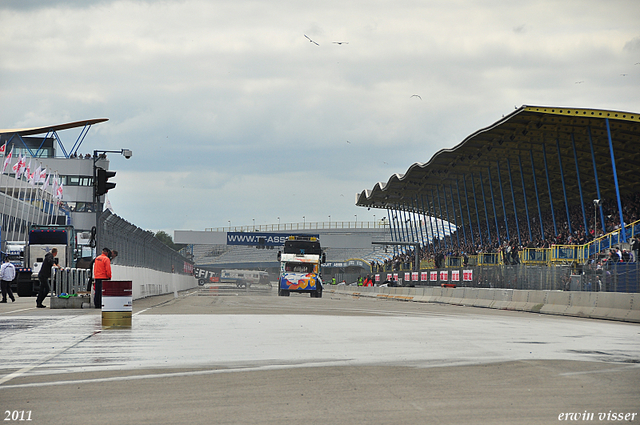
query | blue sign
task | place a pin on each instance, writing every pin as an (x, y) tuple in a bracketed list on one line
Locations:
[(257, 238)]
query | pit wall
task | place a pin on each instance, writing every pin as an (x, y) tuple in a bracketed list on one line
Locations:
[(595, 305), (147, 282)]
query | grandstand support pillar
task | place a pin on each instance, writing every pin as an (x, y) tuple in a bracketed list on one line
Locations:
[(390, 225), (394, 227), (546, 170), (564, 188), (424, 217), (486, 210), (595, 175), (615, 180), (446, 208), (493, 202), (433, 243), (414, 204), (444, 237), (513, 199), (475, 202), (466, 198), (535, 187), (504, 209), (455, 218), (575, 158), (402, 224), (524, 195), (464, 232)]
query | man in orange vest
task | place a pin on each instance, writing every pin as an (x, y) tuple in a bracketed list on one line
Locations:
[(101, 271)]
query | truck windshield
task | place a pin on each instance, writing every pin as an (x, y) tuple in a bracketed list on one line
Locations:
[(299, 267)]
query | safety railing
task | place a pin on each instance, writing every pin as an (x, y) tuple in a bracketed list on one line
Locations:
[(489, 259), (69, 281), (535, 256)]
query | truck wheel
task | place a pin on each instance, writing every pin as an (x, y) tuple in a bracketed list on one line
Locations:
[(283, 293)]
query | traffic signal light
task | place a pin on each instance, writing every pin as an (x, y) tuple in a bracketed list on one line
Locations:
[(103, 185)]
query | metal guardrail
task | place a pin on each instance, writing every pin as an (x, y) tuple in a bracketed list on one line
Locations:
[(69, 281)]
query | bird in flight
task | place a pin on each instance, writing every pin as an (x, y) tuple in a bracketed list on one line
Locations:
[(311, 40), (415, 95), (579, 82), (340, 42)]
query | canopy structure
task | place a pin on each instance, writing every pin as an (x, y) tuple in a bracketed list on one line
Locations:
[(535, 163), (15, 135)]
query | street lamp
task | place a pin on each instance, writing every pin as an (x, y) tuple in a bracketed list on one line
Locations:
[(304, 222), (254, 224)]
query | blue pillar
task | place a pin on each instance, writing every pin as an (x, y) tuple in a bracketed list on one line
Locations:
[(575, 158), (466, 197), (535, 187), (422, 233), (433, 235), (615, 180), (438, 227), (453, 208), (493, 201), (446, 208), (475, 202), (391, 228), (486, 211), (595, 175), (564, 189), (546, 169), (524, 195), (464, 232), (513, 198), (504, 209)]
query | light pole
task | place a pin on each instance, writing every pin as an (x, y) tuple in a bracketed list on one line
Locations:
[(254, 224), (304, 222), (104, 175), (278, 223)]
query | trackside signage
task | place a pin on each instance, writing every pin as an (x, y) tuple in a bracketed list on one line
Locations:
[(258, 239)]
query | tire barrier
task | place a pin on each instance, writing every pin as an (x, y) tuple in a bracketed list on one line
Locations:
[(595, 305)]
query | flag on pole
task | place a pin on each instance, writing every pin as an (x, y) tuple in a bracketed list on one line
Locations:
[(6, 161), (19, 166), (59, 191), (3, 149), (45, 185)]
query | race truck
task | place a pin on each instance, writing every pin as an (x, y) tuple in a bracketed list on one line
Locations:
[(300, 266), (42, 239), (205, 276)]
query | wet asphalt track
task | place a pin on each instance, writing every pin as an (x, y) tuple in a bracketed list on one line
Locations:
[(222, 355)]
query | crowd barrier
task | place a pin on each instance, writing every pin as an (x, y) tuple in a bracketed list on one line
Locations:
[(595, 305)]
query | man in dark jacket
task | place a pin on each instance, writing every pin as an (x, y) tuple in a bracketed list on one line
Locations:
[(44, 275)]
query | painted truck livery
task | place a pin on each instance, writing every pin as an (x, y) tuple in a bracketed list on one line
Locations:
[(300, 266)]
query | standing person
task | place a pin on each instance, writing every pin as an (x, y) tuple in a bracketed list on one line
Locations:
[(7, 274), (101, 271), (635, 247), (44, 275)]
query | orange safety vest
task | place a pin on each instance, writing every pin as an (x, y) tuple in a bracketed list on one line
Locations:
[(102, 267)]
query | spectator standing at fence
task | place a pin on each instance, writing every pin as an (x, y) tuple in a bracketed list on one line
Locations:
[(7, 274), (44, 275), (635, 246), (101, 271)]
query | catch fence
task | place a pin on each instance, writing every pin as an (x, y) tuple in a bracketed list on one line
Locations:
[(137, 247)]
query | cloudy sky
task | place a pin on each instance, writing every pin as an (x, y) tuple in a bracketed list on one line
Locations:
[(233, 115)]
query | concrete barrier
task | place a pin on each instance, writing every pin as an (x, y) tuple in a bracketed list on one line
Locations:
[(595, 305)]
